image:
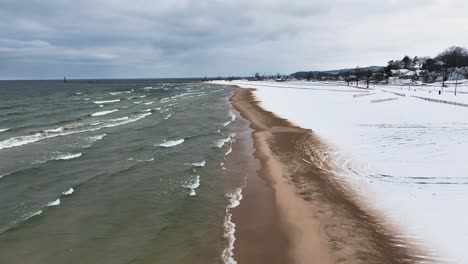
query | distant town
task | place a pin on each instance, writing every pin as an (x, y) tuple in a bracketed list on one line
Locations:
[(448, 67)]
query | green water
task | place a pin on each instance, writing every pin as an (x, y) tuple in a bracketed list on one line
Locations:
[(131, 200)]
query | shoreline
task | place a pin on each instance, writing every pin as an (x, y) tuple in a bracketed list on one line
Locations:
[(316, 213), (258, 237)]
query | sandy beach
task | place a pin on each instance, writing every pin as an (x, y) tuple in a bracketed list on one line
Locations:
[(304, 211)]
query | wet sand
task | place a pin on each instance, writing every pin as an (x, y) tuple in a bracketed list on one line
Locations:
[(295, 210)]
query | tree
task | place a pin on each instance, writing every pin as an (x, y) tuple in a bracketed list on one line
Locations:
[(368, 75), (257, 76), (451, 60), (407, 62), (417, 62), (358, 75)]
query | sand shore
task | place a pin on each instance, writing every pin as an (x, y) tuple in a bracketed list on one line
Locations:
[(303, 211)]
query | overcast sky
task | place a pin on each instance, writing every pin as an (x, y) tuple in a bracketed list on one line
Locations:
[(172, 38)]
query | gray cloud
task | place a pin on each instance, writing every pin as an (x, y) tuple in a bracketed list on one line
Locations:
[(118, 38)]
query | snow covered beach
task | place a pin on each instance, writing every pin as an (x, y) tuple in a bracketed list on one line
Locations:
[(402, 154)]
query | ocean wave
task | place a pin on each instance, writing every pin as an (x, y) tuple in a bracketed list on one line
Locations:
[(147, 88), (67, 156), (126, 120), (21, 140), (93, 139), (24, 140), (100, 106), (172, 143), (104, 112), (141, 96), (234, 198), (229, 151), (192, 184), (199, 164), (149, 103), (78, 93), (4, 129), (21, 219), (56, 130), (90, 140), (232, 115), (115, 93), (147, 110), (168, 116), (221, 142), (229, 234), (138, 102), (226, 123), (107, 101), (68, 192), (54, 203)]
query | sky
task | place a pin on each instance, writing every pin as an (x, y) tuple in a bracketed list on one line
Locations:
[(41, 39)]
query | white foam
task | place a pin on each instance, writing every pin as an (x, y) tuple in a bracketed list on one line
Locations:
[(229, 151), (137, 102), (68, 156), (96, 138), (171, 143), (168, 116), (115, 93), (126, 120), (23, 140), (233, 116), (149, 103), (68, 192), (107, 101), (199, 164), (141, 96), (54, 203), (148, 110), (100, 106), (4, 129), (229, 231), (234, 198), (147, 88), (105, 112), (220, 143), (78, 93), (226, 124), (56, 130), (192, 184)]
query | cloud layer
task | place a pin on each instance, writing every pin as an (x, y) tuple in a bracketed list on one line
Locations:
[(117, 38)]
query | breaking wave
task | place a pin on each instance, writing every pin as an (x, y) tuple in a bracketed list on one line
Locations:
[(54, 203), (192, 184), (68, 192), (199, 164), (172, 143), (67, 156), (23, 140), (107, 101), (4, 129), (104, 112), (56, 130)]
